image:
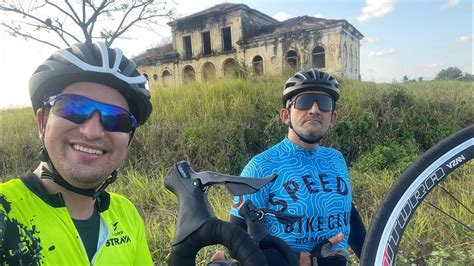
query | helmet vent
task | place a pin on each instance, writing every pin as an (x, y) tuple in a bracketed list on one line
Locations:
[(321, 75), (112, 58), (301, 76), (290, 84)]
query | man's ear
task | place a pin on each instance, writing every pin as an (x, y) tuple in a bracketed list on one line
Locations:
[(41, 121), (285, 116), (333, 117)]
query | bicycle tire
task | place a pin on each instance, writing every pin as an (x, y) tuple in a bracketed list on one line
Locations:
[(400, 203)]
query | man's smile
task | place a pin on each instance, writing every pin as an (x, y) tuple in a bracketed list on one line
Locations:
[(81, 148)]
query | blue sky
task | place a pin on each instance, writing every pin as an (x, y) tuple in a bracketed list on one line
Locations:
[(417, 38)]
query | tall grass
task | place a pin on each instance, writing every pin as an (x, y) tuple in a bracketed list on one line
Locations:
[(219, 126), (19, 142)]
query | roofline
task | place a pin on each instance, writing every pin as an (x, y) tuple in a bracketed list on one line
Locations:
[(341, 22), (361, 36), (228, 10)]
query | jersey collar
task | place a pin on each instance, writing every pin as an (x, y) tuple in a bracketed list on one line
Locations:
[(292, 147), (33, 183)]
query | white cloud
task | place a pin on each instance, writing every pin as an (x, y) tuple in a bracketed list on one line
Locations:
[(318, 15), (435, 66), (376, 8), (280, 16), (381, 53), (466, 38), (450, 3), (369, 40)]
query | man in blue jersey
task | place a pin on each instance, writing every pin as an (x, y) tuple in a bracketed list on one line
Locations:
[(313, 180)]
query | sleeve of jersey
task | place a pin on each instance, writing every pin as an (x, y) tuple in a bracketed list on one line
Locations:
[(259, 198), (3, 217), (143, 255)]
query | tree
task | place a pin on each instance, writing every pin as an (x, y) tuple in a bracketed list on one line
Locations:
[(405, 78), (79, 21), (467, 77), (449, 73)]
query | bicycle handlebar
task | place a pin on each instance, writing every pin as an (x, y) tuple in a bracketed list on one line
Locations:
[(256, 228), (212, 232), (197, 225), (190, 188)]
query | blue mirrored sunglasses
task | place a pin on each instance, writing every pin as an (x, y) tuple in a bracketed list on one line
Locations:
[(78, 109)]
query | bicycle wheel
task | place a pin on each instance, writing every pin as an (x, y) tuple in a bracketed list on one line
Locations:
[(405, 196)]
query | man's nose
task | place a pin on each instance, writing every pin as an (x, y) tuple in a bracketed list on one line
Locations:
[(314, 108), (92, 128)]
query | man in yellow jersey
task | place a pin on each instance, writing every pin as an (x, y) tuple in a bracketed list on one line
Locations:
[(88, 100)]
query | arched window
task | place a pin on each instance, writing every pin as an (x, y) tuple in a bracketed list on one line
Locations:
[(257, 64), (292, 60), (231, 68), (208, 71), (319, 57), (188, 74), (166, 76), (165, 73)]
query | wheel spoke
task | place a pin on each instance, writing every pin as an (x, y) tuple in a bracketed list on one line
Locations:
[(439, 209), (452, 196)]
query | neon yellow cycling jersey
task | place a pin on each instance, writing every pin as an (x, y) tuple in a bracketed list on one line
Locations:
[(36, 228)]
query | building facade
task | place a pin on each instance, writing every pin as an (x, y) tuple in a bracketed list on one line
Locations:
[(222, 40)]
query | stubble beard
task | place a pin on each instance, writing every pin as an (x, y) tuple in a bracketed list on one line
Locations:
[(84, 175), (81, 174), (311, 132)]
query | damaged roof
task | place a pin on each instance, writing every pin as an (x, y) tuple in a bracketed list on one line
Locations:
[(303, 22), (273, 28), (215, 9), (300, 23), (218, 9), (151, 56)]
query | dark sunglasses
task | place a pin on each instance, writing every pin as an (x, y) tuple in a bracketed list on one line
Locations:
[(78, 109), (306, 101)]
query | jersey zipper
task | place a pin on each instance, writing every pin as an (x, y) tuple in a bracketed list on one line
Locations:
[(104, 233)]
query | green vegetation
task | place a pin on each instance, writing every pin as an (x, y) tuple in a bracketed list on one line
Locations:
[(219, 126), (454, 73)]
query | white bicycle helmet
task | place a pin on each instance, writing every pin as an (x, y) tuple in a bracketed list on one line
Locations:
[(92, 62)]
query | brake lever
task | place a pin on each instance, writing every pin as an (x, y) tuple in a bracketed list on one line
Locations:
[(191, 187), (236, 185), (254, 218)]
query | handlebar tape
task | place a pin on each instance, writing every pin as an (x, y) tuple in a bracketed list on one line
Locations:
[(282, 247), (242, 246)]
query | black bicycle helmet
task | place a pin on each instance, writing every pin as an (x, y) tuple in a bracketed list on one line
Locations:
[(310, 80), (92, 62)]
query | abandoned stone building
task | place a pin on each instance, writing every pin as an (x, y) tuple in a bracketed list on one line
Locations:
[(218, 41)]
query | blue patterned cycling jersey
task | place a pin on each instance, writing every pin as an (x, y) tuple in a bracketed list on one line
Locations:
[(311, 183)]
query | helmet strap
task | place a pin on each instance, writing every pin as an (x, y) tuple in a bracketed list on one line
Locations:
[(58, 179), (305, 140)]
